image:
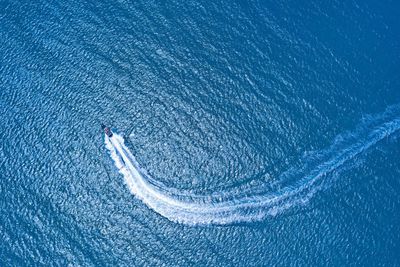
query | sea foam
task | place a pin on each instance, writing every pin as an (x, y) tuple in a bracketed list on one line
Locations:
[(296, 185)]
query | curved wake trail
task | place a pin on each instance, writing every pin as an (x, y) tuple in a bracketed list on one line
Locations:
[(296, 186)]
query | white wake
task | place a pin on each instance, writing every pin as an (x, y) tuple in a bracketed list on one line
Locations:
[(297, 185)]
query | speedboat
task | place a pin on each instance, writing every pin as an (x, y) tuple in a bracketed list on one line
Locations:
[(107, 130)]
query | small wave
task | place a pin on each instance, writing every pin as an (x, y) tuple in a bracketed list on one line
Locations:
[(296, 186)]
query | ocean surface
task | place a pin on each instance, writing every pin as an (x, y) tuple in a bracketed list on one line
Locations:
[(246, 133)]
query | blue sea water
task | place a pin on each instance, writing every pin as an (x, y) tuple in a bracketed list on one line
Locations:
[(253, 133)]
